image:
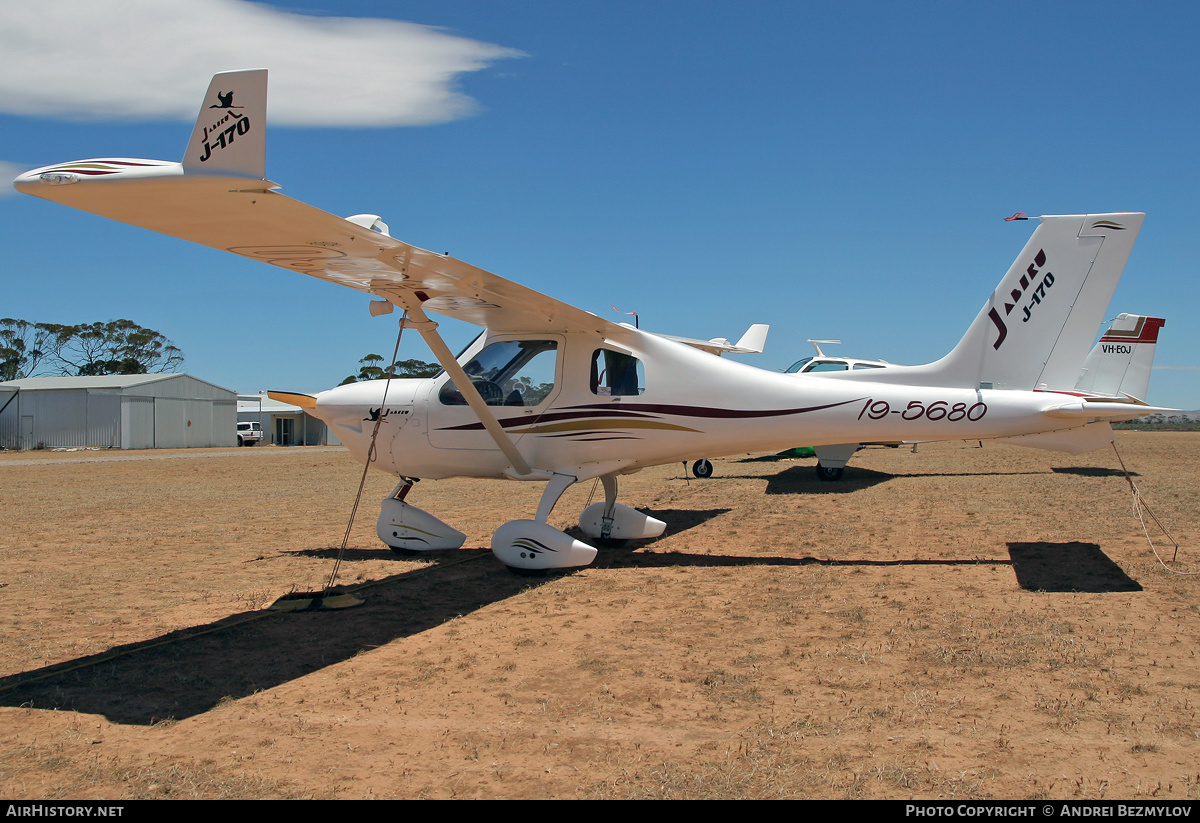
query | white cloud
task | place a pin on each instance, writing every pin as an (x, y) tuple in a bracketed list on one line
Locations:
[(152, 59), (7, 172)]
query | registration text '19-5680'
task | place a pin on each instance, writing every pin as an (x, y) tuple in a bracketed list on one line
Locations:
[(938, 410)]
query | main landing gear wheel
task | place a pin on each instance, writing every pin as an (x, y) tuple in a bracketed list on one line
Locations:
[(703, 469), (829, 473)]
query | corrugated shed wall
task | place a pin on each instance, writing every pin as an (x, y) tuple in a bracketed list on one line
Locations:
[(170, 423), (137, 422), (10, 420), (59, 418), (224, 422), (103, 418), (199, 423), (177, 411)]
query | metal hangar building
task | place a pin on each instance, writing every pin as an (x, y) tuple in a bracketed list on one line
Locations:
[(135, 411)]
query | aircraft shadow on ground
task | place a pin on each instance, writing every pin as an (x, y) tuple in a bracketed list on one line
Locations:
[(971, 474), (612, 559), (1093, 471), (349, 555), (769, 458), (803, 480), (1045, 567), (1068, 567), (188, 672)]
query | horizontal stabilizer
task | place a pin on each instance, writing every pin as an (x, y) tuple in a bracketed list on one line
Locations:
[(1111, 409), (1072, 441)]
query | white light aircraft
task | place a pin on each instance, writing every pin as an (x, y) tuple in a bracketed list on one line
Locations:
[(553, 393), (1118, 367), (832, 363)]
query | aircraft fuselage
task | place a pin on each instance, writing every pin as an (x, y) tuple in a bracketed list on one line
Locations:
[(687, 403)]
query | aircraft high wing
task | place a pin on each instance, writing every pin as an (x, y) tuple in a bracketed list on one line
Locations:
[(554, 393)]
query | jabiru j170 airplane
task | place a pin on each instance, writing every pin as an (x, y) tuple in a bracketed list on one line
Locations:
[(551, 393), (1118, 368)]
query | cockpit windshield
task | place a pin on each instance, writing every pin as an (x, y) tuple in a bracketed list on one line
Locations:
[(509, 373)]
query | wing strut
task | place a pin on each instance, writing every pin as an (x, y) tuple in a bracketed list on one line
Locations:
[(417, 319)]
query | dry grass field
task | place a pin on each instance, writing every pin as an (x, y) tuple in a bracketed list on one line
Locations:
[(961, 622)]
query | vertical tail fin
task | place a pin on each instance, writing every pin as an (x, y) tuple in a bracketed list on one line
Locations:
[(230, 135), (1119, 365), (754, 340), (1034, 330)]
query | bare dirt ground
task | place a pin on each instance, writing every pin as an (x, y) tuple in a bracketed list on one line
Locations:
[(960, 622)]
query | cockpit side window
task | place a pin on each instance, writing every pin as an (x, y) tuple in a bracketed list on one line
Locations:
[(617, 374), (509, 373), (827, 365)]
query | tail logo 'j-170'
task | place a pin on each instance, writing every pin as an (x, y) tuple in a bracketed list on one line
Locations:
[(224, 130), (1029, 283)]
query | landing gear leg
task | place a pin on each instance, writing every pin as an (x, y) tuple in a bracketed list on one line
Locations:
[(605, 540), (558, 484)]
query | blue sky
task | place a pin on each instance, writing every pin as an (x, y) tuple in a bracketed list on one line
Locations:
[(835, 170)]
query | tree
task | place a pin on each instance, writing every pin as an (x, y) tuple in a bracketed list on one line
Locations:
[(17, 349), (371, 368), (416, 368), (115, 347)]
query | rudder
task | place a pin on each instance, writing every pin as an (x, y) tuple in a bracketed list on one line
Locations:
[(1119, 364)]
